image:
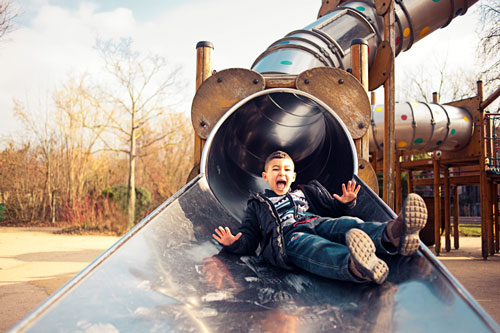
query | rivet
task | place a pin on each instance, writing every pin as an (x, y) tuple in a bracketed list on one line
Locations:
[(306, 81), (361, 125), (219, 79), (255, 81), (341, 81), (203, 124), (361, 166)]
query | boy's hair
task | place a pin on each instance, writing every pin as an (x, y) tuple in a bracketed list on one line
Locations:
[(276, 154)]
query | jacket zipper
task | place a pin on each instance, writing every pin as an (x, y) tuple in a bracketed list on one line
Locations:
[(274, 213)]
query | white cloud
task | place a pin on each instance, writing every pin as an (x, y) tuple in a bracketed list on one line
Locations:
[(59, 40)]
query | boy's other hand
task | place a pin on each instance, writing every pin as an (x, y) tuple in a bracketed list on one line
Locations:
[(224, 236), (349, 193)]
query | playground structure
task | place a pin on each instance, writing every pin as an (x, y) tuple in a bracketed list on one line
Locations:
[(307, 94), (308, 59)]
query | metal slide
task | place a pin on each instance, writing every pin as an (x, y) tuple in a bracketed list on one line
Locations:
[(168, 274)]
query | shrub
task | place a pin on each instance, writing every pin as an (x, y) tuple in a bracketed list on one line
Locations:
[(120, 195)]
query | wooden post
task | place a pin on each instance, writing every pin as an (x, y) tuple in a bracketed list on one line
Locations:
[(447, 209), (483, 180), (491, 214), (497, 219), (435, 97), (359, 64), (410, 181), (456, 213), (399, 192), (437, 205), (389, 106), (204, 69), (373, 101)]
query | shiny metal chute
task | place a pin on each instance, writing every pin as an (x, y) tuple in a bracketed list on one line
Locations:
[(168, 274), (424, 127), (269, 120)]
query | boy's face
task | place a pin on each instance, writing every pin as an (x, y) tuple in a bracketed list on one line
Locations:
[(279, 175)]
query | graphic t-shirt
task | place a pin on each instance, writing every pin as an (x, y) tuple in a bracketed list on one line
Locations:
[(286, 210)]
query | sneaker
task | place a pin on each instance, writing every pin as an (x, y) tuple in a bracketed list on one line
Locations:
[(366, 264), (404, 231)]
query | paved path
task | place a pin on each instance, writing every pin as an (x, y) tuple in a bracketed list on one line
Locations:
[(35, 263), (480, 277)]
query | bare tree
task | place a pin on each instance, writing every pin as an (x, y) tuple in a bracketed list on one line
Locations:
[(141, 91), (489, 49), (451, 83), (7, 14)]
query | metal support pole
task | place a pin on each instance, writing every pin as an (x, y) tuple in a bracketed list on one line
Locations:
[(359, 64), (389, 102)]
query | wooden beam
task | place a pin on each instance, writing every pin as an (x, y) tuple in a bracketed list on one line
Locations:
[(389, 107), (447, 209), (399, 187), (204, 69), (456, 213), (280, 80), (483, 180), (437, 207), (359, 64), (456, 180)]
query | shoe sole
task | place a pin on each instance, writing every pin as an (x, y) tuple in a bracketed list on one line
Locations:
[(362, 252), (414, 219)]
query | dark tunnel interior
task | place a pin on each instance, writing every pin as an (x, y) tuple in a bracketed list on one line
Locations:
[(283, 119)]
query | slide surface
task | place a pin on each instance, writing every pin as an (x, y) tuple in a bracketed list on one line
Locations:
[(167, 274)]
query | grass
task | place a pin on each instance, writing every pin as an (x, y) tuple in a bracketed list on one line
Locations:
[(470, 231)]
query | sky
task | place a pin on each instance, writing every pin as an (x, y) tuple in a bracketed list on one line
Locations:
[(55, 39)]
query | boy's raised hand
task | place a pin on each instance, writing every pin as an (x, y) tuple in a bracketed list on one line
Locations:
[(224, 236), (349, 193)]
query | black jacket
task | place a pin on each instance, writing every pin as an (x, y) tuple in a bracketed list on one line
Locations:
[(261, 224)]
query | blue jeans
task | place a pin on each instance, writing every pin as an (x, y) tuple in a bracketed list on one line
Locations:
[(319, 246)]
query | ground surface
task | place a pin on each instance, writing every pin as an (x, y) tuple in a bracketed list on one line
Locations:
[(34, 263)]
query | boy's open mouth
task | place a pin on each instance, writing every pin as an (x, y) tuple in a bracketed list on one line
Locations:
[(280, 185)]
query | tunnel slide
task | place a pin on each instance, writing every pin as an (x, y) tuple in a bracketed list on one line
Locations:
[(168, 274)]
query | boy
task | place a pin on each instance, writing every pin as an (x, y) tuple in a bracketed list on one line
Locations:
[(292, 228)]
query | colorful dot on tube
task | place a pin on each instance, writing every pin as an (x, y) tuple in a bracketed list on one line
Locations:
[(404, 117), (360, 8), (439, 142), (381, 145), (285, 42), (286, 62), (398, 40), (406, 32), (459, 11), (466, 119), (424, 32), (418, 141), (378, 109), (453, 131), (402, 144), (436, 0)]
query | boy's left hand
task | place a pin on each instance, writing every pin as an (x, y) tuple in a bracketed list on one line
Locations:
[(349, 193)]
